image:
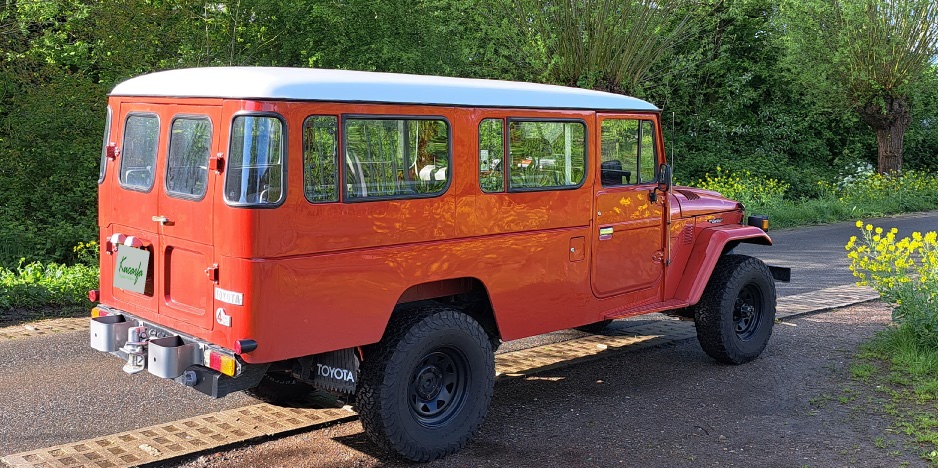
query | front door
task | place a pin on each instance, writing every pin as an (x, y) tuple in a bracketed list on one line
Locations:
[(628, 247)]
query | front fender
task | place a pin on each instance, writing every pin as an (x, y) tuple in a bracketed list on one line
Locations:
[(707, 250)]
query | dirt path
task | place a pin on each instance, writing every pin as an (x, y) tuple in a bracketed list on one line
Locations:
[(673, 406)]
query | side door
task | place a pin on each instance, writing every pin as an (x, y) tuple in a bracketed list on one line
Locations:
[(184, 215), (628, 238)]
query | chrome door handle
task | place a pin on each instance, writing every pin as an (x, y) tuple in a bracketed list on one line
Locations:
[(161, 219)]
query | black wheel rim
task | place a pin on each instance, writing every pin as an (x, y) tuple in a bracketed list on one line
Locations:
[(747, 312), (438, 386)]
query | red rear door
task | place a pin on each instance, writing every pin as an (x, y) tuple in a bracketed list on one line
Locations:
[(134, 200), (184, 216)]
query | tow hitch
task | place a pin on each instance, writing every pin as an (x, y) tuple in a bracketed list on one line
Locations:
[(136, 349)]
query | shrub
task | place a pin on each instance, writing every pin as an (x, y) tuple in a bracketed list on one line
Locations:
[(757, 193), (39, 284), (882, 194), (904, 272), (859, 193)]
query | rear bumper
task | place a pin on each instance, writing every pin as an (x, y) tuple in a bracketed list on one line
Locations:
[(169, 354)]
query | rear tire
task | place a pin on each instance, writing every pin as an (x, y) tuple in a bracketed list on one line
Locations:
[(425, 388), (735, 315), (594, 327)]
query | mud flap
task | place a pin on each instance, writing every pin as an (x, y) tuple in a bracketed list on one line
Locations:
[(335, 371), (780, 273)]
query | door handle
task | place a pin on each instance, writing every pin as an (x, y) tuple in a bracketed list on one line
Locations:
[(162, 220)]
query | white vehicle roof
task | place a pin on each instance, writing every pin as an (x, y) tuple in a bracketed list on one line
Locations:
[(356, 86)]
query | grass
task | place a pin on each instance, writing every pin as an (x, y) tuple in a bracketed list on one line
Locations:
[(907, 372)]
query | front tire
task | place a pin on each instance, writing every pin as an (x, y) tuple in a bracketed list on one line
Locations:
[(735, 315), (425, 388)]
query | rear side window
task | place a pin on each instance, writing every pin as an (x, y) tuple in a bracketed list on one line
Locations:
[(107, 138), (492, 155), (138, 158), (546, 154), (320, 159), (190, 142), (399, 158), (255, 169)]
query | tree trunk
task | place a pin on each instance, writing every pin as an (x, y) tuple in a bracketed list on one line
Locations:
[(890, 142), (890, 124)]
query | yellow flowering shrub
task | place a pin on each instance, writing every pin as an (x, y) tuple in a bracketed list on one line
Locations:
[(746, 188), (903, 271), (909, 191)]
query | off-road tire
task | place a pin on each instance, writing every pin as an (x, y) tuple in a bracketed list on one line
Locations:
[(280, 387), (740, 287), (595, 327), (426, 349)]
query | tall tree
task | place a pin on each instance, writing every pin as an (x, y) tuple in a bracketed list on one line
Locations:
[(611, 45), (873, 53)]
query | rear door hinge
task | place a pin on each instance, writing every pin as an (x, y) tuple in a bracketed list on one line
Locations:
[(212, 273)]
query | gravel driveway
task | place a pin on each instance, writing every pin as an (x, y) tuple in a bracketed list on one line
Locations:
[(795, 406)]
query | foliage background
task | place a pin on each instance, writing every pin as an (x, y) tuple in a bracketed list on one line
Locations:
[(744, 92)]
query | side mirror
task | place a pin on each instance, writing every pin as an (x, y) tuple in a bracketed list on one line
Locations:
[(664, 178), (664, 183)]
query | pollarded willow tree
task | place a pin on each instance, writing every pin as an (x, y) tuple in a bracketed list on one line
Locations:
[(873, 53), (610, 45)]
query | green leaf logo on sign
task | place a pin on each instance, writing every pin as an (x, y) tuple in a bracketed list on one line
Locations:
[(131, 269)]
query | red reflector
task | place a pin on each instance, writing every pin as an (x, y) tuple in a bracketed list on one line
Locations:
[(214, 361), (94, 295)]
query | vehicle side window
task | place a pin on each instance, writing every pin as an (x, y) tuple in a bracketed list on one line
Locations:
[(492, 155), (628, 152), (320, 159), (138, 158), (190, 142), (648, 160), (399, 158), (546, 154), (255, 169), (107, 138)]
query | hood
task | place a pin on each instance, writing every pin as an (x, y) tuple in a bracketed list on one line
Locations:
[(695, 202)]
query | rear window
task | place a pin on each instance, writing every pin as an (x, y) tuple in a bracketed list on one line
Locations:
[(190, 142), (138, 158), (255, 169)]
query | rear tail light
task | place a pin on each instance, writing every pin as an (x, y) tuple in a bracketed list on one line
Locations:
[(99, 312), (94, 295), (221, 363)]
